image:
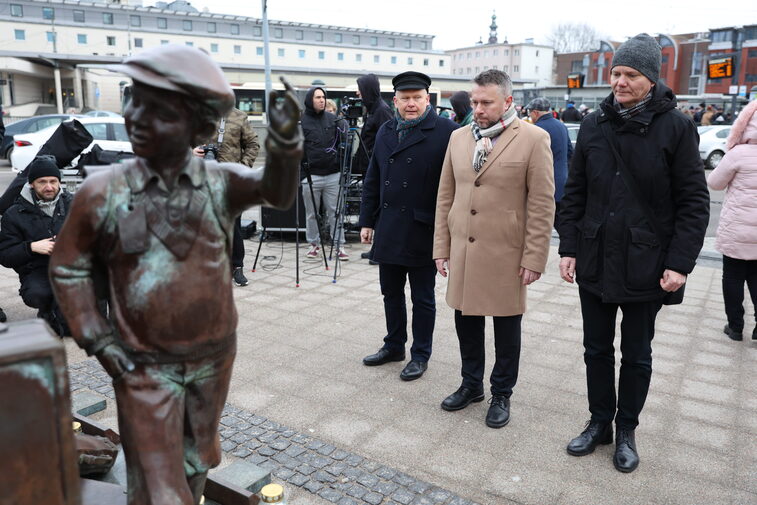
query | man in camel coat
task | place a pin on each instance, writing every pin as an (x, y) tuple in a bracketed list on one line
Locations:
[(494, 216)]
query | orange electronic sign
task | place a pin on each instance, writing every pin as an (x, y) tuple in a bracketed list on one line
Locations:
[(720, 68), (575, 81)]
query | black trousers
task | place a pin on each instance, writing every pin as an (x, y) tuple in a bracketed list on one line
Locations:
[(422, 280), (636, 334), (237, 248), (37, 293), (470, 333), (735, 273)]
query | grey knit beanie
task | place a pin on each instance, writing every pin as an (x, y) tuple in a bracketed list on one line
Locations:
[(642, 53)]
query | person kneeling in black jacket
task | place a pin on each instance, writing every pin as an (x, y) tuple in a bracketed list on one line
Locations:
[(27, 237)]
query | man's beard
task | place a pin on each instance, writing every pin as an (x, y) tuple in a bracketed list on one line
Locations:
[(47, 199)]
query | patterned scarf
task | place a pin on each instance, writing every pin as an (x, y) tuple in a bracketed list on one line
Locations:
[(632, 111), (404, 125), (483, 138)]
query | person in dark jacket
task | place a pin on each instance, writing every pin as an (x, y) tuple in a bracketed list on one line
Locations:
[(397, 216), (540, 112), (461, 105), (378, 113), (321, 159), (571, 114), (629, 235), (27, 237)]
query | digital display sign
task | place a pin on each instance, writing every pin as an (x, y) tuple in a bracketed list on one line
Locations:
[(575, 81), (720, 68)]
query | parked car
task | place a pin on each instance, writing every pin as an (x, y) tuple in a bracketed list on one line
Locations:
[(712, 144), (108, 132), (101, 113), (30, 125)]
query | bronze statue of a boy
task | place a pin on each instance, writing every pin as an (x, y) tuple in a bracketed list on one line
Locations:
[(158, 229)]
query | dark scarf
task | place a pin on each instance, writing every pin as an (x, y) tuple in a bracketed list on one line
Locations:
[(404, 125), (632, 111)]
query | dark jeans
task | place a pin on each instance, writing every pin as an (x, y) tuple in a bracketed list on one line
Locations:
[(470, 333), (237, 248), (422, 279), (36, 292), (636, 334), (735, 273)]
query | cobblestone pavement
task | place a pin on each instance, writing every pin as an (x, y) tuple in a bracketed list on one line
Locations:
[(336, 475)]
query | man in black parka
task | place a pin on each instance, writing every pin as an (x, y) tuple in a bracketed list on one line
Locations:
[(27, 237), (378, 113), (397, 214), (630, 233)]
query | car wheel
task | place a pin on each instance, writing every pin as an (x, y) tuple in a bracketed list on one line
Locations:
[(714, 159), (8, 153)]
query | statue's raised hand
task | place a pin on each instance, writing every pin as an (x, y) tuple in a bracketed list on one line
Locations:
[(284, 113)]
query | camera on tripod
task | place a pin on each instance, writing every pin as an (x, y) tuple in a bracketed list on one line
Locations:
[(352, 107), (210, 151)]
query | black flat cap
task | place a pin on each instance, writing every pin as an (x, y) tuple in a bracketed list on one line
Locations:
[(411, 80)]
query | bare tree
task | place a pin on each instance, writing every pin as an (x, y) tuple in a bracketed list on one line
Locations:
[(573, 38)]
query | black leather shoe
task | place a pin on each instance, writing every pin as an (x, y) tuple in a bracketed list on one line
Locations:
[(383, 356), (754, 334), (626, 458), (3, 317), (365, 255), (371, 262), (733, 334), (594, 434), (499, 412), (413, 370), (461, 399)]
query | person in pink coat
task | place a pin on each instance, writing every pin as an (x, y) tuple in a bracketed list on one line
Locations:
[(737, 230)]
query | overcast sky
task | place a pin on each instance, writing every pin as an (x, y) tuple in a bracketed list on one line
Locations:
[(459, 23)]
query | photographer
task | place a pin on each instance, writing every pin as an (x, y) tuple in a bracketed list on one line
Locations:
[(27, 237), (235, 141), (321, 161)]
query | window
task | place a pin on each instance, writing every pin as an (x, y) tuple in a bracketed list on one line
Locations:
[(257, 31), (486, 53), (78, 16), (506, 68), (337, 37), (321, 55), (278, 33), (110, 40), (17, 10), (750, 33), (425, 62), (163, 42), (301, 53), (189, 44), (235, 29), (213, 48), (135, 20), (516, 52), (162, 23), (237, 49), (391, 42), (752, 53), (537, 52), (486, 67), (516, 68), (507, 52), (374, 41), (340, 56), (259, 50), (722, 36), (410, 61), (469, 55), (495, 67), (107, 18), (299, 34), (99, 131), (394, 60), (356, 39), (138, 42), (468, 70), (48, 13), (358, 57), (478, 54), (81, 38), (478, 69), (280, 52), (186, 25), (319, 36), (408, 44), (441, 63), (723, 133), (424, 45), (495, 52), (50, 36), (212, 27), (376, 58)]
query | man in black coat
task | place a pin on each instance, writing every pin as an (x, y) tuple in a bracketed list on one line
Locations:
[(631, 227), (397, 214), (27, 237), (321, 159), (378, 113), (571, 114)]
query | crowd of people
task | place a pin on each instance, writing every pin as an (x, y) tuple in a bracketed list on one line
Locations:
[(473, 199)]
